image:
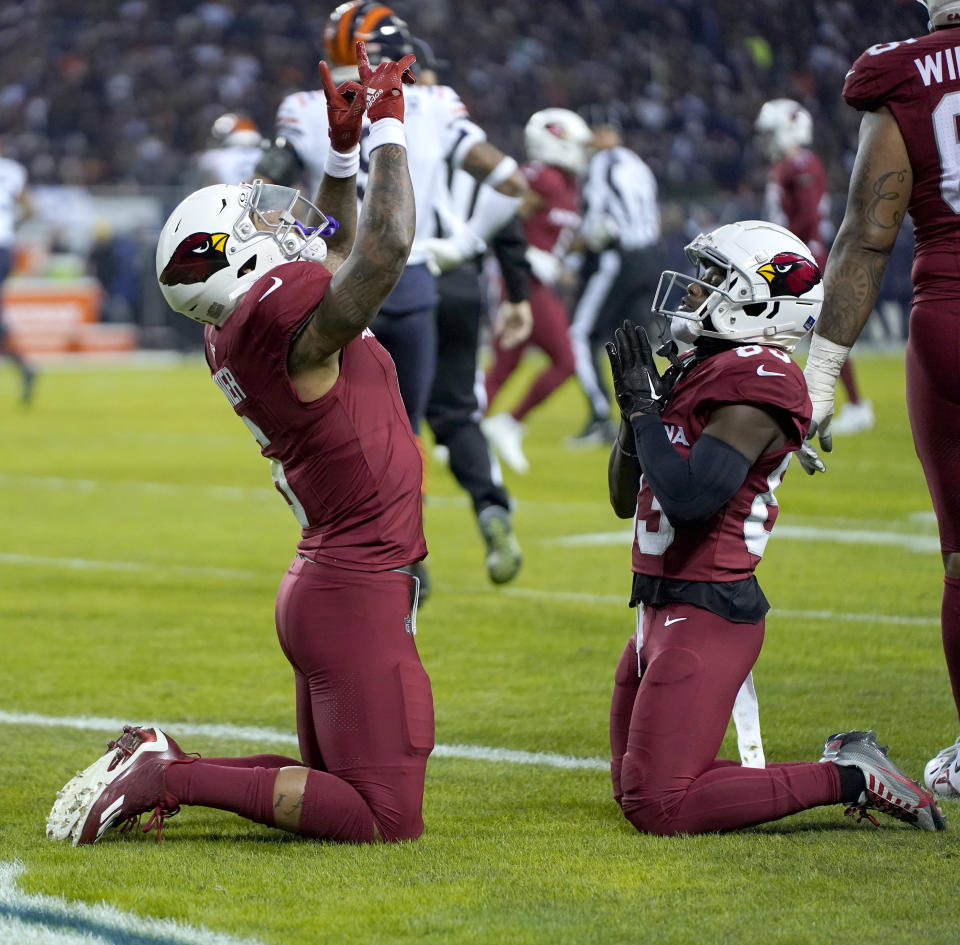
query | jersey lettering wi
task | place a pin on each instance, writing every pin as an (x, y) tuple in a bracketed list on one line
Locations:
[(728, 546), (438, 130), (919, 81), (347, 463), (554, 224)]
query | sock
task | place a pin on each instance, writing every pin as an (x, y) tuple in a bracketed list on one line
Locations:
[(332, 809), (950, 632), (244, 791), (256, 761), (852, 783)]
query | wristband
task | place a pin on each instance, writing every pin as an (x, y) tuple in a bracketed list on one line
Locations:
[(342, 164), (501, 172), (826, 355), (387, 131)]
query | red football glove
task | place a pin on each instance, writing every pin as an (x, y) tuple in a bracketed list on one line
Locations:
[(345, 104), (383, 86)]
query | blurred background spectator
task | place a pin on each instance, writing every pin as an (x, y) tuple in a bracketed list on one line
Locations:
[(114, 97)]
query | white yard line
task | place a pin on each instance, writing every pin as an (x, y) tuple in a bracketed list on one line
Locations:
[(27, 919), (247, 733), (845, 536)]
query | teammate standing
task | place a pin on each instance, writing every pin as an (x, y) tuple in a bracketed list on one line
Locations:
[(15, 206), (557, 142), (288, 345), (796, 198), (908, 161), (708, 443), (621, 235)]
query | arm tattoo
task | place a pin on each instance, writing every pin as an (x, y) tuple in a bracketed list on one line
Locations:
[(886, 189)]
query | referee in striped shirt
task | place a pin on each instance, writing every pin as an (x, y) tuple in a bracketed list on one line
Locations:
[(622, 263)]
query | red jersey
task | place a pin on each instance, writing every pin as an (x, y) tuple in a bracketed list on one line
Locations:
[(346, 463), (797, 199), (919, 81), (551, 227), (728, 546)]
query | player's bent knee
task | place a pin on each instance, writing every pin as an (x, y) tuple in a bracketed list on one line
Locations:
[(951, 564)]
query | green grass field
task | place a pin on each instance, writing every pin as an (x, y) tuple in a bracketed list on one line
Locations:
[(141, 548)]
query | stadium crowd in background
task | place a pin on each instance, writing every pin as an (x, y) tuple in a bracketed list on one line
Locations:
[(111, 92), (117, 96)]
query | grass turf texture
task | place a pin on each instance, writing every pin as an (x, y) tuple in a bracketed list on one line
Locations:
[(141, 551)]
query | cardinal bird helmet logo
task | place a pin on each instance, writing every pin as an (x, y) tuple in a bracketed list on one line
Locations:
[(195, 259), (755, 283), (790, 274)]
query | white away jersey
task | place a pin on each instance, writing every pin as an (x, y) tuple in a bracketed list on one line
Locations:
[(13, 180), (437, 127), (231, 165)]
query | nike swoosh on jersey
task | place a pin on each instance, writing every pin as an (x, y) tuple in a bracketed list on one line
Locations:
[(763, 372), (277, 282), (669, 620)]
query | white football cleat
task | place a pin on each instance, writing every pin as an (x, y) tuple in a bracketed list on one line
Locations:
[(506, 436), (853, 418), (942, 772)]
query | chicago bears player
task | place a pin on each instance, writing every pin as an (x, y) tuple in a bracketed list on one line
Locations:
[(708, 442), (557, 142), (288, 345), (236, 146), (796, 198), (908, 161), (440, 137)]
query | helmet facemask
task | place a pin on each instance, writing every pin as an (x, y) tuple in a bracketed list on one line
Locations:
[(222, 239), (764, 289)]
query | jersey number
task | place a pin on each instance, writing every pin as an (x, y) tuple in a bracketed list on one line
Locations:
[(278, 475), (654, 542), (945, 130)]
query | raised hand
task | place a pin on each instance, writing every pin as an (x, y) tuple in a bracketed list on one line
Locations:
[(637, 384), (383, 85), (345, 107)]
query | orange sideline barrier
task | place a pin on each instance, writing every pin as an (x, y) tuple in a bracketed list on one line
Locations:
[(57, 316)]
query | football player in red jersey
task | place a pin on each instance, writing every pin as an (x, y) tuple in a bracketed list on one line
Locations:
[(557, 142), (796, 198), (908, 161), (709, 442), (287, 343)]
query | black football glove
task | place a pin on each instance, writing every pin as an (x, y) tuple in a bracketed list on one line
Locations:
[(637, 384)]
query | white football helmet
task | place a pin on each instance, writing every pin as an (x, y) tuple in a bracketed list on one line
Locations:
[(221, 239), (781, 126), (942, 12), (233, 130), (768, 291), (559, 137)]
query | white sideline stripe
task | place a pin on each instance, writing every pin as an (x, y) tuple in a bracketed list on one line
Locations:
[(845, 536), (247, 733), (578, 597), (90, 564), (533, 593), (27, 919), (59, 484)]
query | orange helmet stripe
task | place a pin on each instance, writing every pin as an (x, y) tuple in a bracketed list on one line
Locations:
[(371, 20), (342, 51)]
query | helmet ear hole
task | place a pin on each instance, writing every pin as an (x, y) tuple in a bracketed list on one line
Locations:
[(248, 266)]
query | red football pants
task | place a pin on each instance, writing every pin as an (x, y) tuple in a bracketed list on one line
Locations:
[(933, 403), (551, 333), (667, 726), (364, 705)]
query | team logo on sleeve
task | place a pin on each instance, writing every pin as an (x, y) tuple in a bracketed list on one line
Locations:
[(790, 274), (196, 259)]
